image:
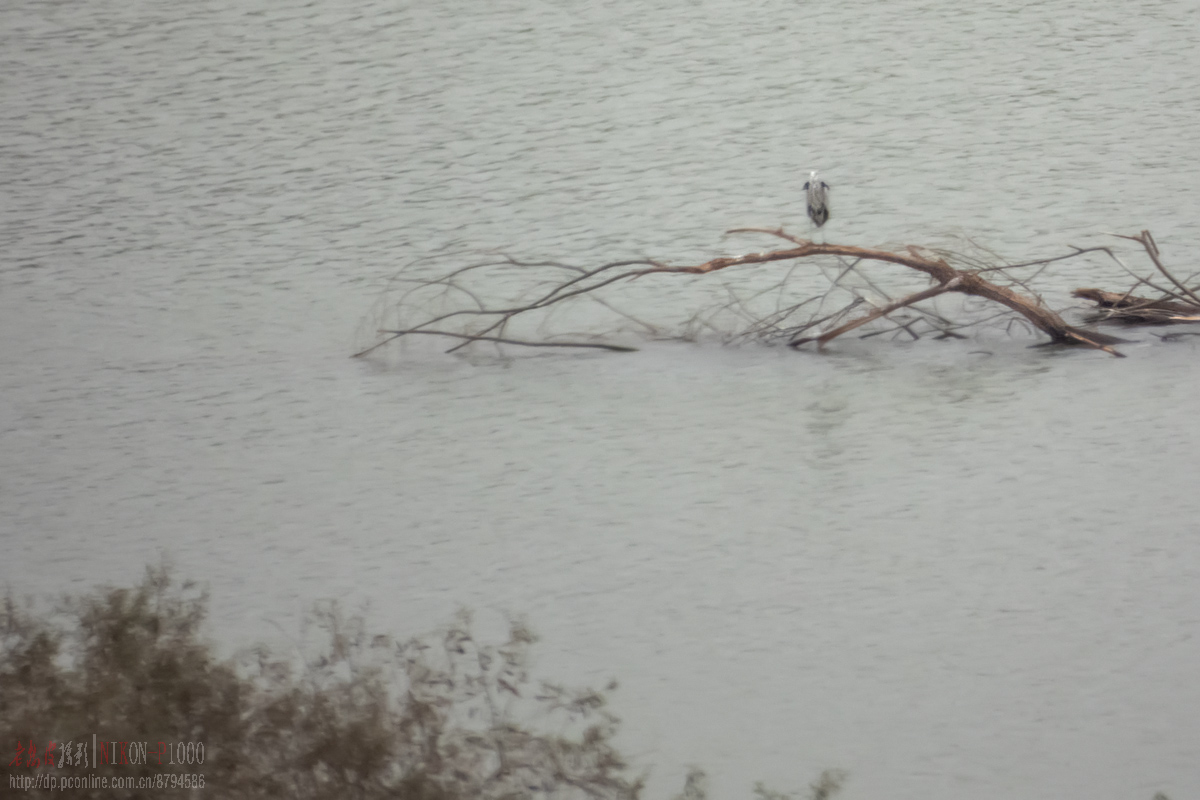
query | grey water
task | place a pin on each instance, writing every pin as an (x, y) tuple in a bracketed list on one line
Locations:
[(952, 569)]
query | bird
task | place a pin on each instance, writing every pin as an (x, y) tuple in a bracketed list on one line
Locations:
[(818, 199)]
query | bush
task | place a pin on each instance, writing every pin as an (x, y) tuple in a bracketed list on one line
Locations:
[(436, 718), (439, 717)]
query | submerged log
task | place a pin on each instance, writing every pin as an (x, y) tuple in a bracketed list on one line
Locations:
[(1135, 310), (1177, 302)]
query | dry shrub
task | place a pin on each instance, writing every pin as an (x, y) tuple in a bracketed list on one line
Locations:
[(435, 718), (348, 715)]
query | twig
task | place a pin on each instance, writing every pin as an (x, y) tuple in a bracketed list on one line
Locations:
[(883, 311), (1147, 241), (500, 340)]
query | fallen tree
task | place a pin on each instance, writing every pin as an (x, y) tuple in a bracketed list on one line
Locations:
[(452, 305)]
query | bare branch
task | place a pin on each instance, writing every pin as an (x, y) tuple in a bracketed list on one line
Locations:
[(456, 305), (883, 311), (480, 338), (1151, 247)]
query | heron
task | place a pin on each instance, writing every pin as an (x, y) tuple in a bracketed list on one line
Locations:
[(818, 199)]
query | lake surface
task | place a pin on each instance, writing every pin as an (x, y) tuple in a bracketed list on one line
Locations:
[(954, 569)]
